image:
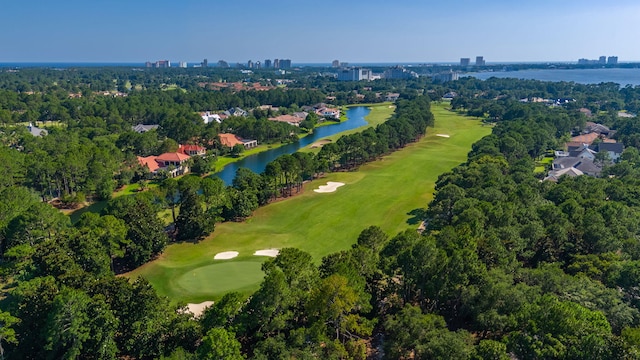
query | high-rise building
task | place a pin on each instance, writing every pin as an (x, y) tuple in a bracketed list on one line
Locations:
[(249, 64), (257, 65), (285, 64), (612, 60), (446, 76), (354, 74), (465, 61), (267, 63), (182, 64), (480, 61), (335, 63), (602, 60), (162, 64), (205, 63), (276, 63)]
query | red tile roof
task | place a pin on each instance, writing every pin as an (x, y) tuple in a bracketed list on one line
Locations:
[(585, 139), (150, 162), (172, 157), (229, 140), (186, 149)]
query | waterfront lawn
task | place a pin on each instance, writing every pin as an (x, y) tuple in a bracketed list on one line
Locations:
[(382, 193)]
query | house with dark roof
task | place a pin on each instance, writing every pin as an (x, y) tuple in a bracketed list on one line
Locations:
[(236, 111), (140, 128), (585, 165), (614, 150), (582, 152), (591, 127)]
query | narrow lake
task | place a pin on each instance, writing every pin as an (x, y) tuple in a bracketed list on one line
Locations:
[(258, 162)]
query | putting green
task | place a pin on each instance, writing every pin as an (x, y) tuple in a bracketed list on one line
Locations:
[(387, 193), (220, 277)]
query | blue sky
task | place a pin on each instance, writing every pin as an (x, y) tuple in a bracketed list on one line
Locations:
[(317, 31)]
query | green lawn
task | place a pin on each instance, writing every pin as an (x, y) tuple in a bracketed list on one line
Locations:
[(542, 165), (381, 193)]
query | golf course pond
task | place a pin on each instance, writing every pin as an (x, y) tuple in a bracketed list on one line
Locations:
[(258, 162)]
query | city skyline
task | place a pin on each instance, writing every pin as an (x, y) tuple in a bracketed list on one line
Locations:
[(354, 32)]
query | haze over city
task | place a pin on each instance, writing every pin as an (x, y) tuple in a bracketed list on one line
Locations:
[(313, 32)]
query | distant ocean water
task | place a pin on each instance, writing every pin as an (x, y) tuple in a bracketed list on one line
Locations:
[(65, 65), (619, 76)]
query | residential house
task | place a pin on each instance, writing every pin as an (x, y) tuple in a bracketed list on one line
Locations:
[(150, 162), (585, 138), (209, 117), (192, 150), (591, 127), (173, 163), (140, 128), (614, 150), (323, 110), (231, 140), (582, 152), (391, 97), (289, 119), (555, 175), (585, 165), (236, 111)]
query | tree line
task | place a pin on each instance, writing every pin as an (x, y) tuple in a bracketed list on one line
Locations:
[(507, 266)]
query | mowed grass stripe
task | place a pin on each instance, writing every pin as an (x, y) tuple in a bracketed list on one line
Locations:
[(381, 193)]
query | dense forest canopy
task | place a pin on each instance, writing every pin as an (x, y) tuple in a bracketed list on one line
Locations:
[(507, 266)]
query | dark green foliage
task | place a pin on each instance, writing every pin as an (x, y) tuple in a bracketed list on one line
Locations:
[(507, 266), (145, 231), (192, 223)]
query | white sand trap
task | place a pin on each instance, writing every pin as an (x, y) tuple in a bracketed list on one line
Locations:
[(442, 135), (225, 255), (267, 252), (330, 187), (198, 309)]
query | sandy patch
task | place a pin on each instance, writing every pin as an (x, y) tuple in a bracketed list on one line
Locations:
[(330, 187), (442, 135), (225, 255), (267, 252), (320, 143), (198, 309)]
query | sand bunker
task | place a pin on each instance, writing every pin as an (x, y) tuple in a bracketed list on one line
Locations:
[(330, 187), (198, 309), (267, 252), (442, 135), (225, 255), (320, 143)]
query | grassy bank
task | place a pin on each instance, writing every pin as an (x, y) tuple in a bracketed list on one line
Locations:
[(319, 223)]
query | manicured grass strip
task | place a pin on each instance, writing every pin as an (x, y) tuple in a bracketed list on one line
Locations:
[(382, 193)]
